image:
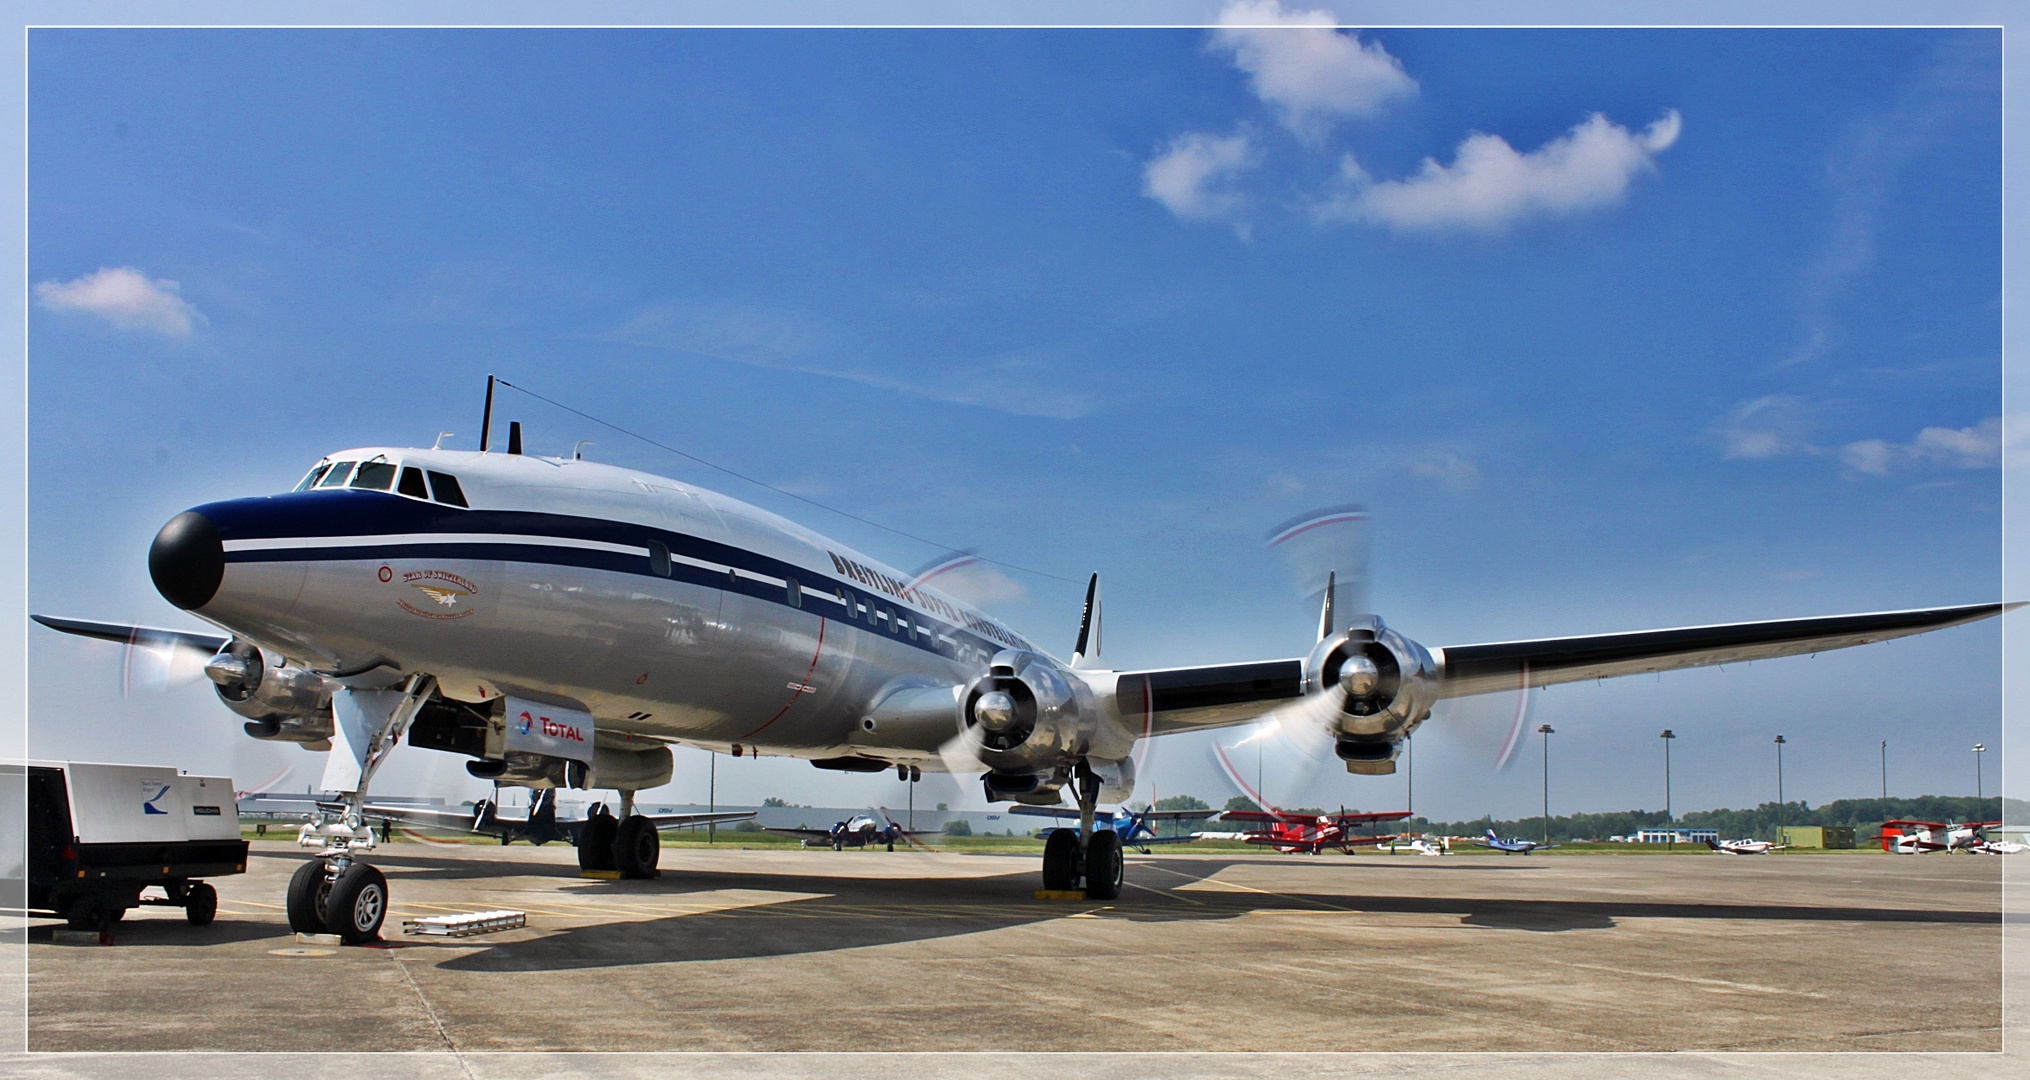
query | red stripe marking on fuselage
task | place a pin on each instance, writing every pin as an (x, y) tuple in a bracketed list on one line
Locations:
[(795, 694)]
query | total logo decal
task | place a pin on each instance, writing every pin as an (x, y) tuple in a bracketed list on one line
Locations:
[(530, 724)]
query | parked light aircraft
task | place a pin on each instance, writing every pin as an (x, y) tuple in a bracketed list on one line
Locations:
[(1927, 836), (1745, 847), (596, 831), (1512, 844), (1419, 845), (563, 623), (1290, 833), (1133, 826), (861, 831)]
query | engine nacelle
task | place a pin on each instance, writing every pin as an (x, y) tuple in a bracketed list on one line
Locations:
[(285, 704), (1028, 721), (519, 768), (1387, 685)]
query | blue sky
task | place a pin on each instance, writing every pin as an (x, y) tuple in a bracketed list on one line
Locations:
[(1089, 300)]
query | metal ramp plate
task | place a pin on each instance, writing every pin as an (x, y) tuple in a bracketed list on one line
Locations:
[(478, 922)]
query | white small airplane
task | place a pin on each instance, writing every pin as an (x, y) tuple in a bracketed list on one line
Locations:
[(1745, 847), (563, 624), (1420, 846)]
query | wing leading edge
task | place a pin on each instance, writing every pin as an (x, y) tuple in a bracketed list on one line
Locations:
[(1489, 668)]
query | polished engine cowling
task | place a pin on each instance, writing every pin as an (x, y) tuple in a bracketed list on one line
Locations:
[(1029, 722), (285, 704), (1385, 685)]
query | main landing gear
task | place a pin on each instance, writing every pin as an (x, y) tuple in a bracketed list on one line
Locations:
[(1094, 857), (629, 844)]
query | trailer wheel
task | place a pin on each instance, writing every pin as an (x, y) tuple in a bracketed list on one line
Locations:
[(357, 905), (89, 912), (307, 889), (200, 904)]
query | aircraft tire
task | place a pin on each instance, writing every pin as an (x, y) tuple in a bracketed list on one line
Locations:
[(1060, 860), (305, 902), (595, 843), (357, 905), (637, 847), (200, 904), (1105, 865)]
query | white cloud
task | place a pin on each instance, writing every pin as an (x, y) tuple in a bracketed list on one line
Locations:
[(1489, 185), (1767, 427), (124, 297), (1447, 468), (1194, 176), (1979, 447), (1305, 68)]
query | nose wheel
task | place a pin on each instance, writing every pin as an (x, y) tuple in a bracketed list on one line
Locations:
[(351, 902)]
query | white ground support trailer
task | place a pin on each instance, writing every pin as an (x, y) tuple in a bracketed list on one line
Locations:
[(99, 835)]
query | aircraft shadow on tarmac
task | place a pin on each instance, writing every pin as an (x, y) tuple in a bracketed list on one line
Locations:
[(860, 912)]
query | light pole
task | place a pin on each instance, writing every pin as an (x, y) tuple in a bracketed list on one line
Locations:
[(711, 796), (1546, 731), (1979, 749), (1410, 792), (1779, 789), (1668, 817)]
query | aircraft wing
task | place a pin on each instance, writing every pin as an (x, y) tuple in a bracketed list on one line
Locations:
[(410, 815), (1262, 815), (1921, 824), (1045, 811), (1178, 815), (1507, 665), (1380, 815), (683, 821), (808, 834), (137, 635)]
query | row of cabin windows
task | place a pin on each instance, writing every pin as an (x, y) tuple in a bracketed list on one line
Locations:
[(381, 475), (659, 564)]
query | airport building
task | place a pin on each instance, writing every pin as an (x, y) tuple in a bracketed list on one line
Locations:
[(1676, 836), (1839, 837)]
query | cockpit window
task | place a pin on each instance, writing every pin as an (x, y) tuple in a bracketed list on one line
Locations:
[(375, 476), (412, 483), (315, 474), (336, 477), (445, 487)]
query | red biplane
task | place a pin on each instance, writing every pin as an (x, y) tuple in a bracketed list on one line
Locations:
[(1926, 836), (1291, 832)]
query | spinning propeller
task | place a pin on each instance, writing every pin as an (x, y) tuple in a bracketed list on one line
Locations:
[(1326, 553)]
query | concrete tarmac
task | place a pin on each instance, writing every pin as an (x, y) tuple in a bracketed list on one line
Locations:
[(873, 951)]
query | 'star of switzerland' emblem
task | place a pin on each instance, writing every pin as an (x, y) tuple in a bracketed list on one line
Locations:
[(441, 594)]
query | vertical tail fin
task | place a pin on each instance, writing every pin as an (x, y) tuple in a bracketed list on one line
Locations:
[(1086, 654)]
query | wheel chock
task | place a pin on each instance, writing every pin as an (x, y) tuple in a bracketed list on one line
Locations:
[(1060, 894), (319, 939), (600, 875)]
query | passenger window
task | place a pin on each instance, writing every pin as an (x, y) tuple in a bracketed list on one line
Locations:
[(412, 484), (310, 481), (659, 558), (336, 477), (445, 487), (796, 593), (843, 601), (375, 476)]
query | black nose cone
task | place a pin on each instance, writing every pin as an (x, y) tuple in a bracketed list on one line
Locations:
[(187, 561)]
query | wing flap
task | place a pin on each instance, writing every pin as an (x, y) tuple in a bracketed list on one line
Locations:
[(1499, 666), (681, 821)]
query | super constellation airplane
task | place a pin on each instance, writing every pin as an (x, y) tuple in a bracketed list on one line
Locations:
[(562, 623)]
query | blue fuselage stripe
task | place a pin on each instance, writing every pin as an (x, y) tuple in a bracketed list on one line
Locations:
[(349, 515)]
